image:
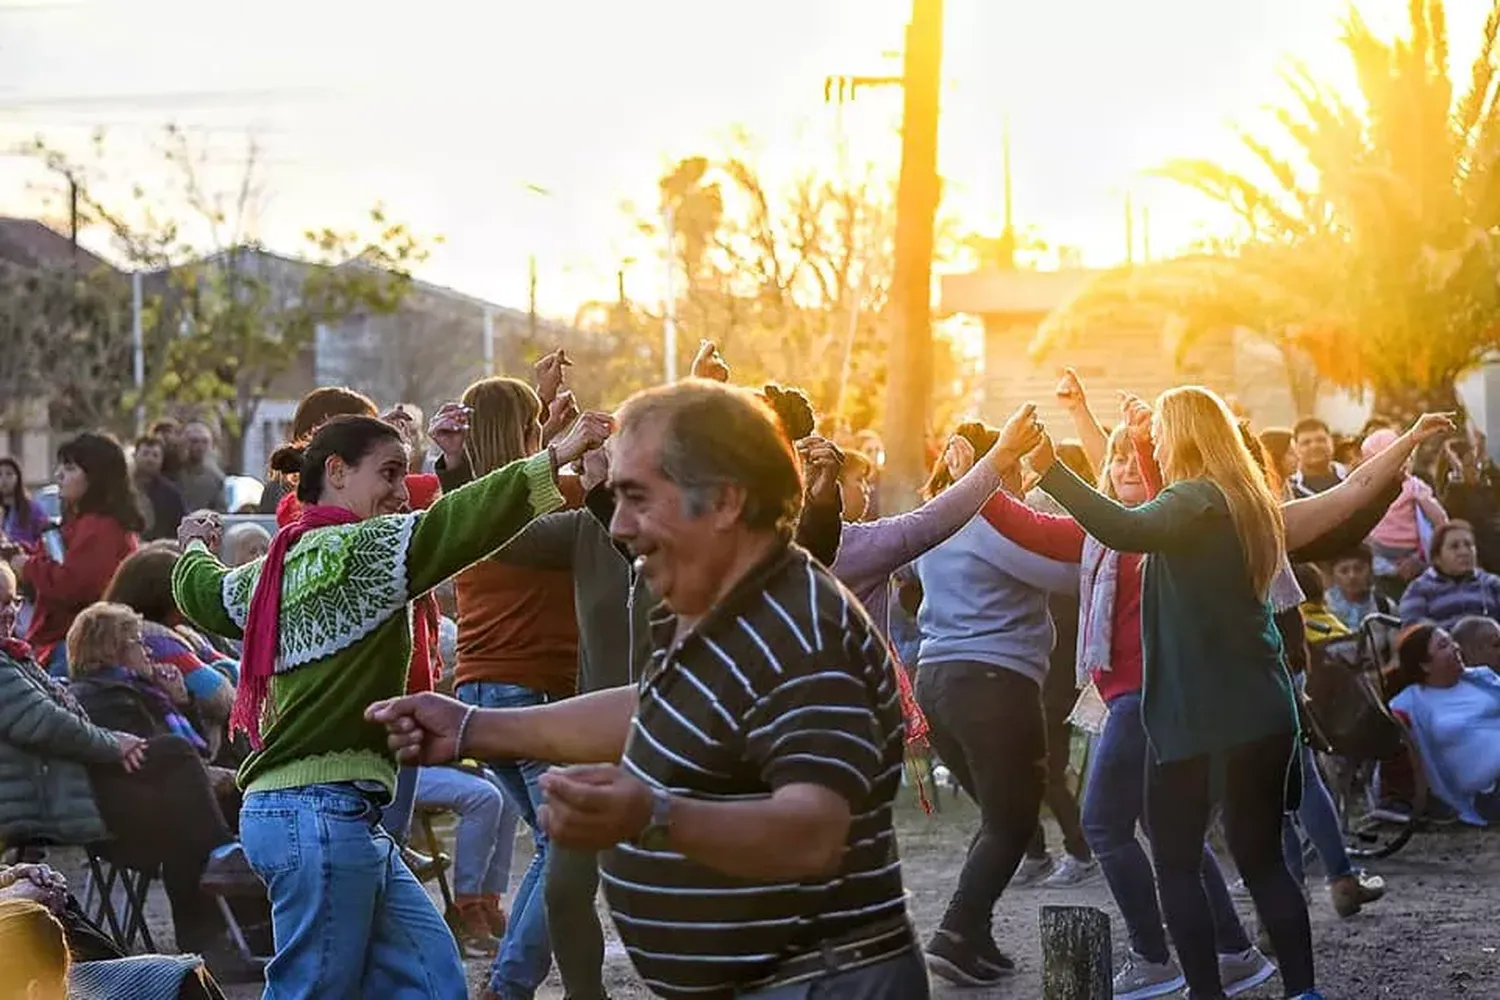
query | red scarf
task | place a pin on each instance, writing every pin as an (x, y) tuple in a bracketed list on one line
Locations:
[(16, 649), (258, 657)]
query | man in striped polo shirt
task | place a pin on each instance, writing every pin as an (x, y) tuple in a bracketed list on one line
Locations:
[(747, 824)]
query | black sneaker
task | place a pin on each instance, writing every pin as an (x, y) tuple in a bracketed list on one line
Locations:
[(990, 954), (953, 958)]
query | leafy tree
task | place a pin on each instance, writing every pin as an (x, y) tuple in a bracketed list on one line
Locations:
[(791, 282), (225, 318), (1368, 251), (66, 337)]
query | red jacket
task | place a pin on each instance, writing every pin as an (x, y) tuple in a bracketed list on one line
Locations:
[(426, 666), (94, 545)]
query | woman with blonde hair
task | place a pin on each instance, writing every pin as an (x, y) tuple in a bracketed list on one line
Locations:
[(1109, 656), (1217, 702), (517, 645)]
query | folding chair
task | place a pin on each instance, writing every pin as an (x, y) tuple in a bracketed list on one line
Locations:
[(437, 870), (127, 924)]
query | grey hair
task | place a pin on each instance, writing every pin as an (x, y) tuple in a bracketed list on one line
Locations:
[(1468, 630), (715, 436)]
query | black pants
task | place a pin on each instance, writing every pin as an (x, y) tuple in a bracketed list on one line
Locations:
[(1058, 697), (1179, 800), (166, 814), (573, 921), (987, 727)]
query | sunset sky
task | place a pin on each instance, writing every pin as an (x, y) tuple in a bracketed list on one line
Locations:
[(447, 110)]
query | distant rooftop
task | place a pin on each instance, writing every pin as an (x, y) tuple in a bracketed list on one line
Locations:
[(29, 243), (995, 291)]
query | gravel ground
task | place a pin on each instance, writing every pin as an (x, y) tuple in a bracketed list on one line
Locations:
[(1434, 935)]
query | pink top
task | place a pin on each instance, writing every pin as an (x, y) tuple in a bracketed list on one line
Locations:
[(1398, 529)]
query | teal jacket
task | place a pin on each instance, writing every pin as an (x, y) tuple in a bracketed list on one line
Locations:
[(45, 750), (1215, 674)]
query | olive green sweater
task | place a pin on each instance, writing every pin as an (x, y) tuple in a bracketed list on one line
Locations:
[(345, 629), (1214, 672)]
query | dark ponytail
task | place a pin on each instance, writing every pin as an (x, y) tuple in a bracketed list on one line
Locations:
[(1413, 651), (792, 409), (351, 438)]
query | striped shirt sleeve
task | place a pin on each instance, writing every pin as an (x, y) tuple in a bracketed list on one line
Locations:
[(817, 726)]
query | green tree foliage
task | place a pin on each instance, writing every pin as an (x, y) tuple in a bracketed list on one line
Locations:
[(225, 318), (66, 337), (1367, 247)]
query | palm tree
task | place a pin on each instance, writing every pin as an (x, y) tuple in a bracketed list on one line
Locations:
[(1372, 251)]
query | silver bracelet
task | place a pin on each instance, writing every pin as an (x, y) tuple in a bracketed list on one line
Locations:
[(463, 729)]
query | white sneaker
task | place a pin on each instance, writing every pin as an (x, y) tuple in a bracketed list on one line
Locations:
[(1139, 979), (1031, 870), (1071, 872), (1245, 971)]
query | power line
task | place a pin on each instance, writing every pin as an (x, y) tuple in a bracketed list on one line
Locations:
[(183, 98)]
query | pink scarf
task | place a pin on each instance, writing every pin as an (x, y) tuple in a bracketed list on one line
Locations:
[(258, 658)]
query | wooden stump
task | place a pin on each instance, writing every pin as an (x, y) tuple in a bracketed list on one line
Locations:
[(1076, 954)]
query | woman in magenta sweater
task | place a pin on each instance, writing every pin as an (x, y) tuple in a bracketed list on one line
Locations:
[(101, 523)]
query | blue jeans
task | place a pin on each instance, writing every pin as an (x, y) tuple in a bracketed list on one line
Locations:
[(526, 955), (1113, 803), (57, 662), (350, 920), (486, 835), (903, 977)]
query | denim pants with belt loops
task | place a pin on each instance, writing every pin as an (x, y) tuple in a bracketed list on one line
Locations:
[(350, 920)]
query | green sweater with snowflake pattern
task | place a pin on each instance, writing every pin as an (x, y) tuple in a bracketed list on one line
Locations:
[(345, 629)]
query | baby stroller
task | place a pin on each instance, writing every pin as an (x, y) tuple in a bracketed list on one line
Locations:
[(1366, 753)]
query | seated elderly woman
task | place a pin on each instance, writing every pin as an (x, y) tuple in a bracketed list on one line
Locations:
[(144, 583), (244, 543), (168, 814), (1454, 714), (47, 745)]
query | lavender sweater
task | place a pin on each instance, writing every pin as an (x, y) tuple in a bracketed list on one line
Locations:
[(870, 552)]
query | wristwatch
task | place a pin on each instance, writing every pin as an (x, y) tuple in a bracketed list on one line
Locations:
[(657, 836)]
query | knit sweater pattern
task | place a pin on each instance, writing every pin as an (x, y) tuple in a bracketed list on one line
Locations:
[(346, 619)]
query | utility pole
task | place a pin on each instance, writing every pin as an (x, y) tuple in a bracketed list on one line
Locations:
[(138, 353), (909, 374), (531, 298), (838, 91)]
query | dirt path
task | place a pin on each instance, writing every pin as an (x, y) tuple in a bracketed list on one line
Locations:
[(1435, 935)]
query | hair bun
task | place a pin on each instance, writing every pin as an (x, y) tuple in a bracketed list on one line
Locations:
[(287, 459)]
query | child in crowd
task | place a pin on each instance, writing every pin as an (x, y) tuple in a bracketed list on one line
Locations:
[(1352, 598)]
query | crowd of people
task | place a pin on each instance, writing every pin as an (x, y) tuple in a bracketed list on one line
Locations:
[(679, 646)]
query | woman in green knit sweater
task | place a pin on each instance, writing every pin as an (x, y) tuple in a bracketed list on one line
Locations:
[(1216, 700), (326, 620)]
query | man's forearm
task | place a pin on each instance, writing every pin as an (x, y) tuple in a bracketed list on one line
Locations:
[(798, 833), (589, 729)]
